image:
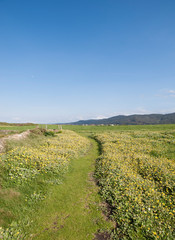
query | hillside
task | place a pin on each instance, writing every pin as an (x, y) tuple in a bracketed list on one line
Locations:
[(131, 120)]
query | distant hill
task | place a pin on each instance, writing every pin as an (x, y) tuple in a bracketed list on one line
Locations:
[(131, 120)]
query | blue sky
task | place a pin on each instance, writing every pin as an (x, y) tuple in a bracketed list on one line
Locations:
[(64, 60)]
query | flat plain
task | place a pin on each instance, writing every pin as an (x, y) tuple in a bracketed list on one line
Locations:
[(88, 182)]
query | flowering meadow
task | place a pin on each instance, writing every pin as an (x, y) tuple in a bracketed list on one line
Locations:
[(27, 175), (25, 163), (136, 172)]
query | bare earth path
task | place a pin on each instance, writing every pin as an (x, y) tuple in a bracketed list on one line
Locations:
[(17, 136), (72, 210)]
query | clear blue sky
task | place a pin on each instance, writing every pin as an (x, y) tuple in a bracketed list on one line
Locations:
[(65, 60)]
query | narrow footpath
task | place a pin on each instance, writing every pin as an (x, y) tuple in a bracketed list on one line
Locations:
[(72, 211)]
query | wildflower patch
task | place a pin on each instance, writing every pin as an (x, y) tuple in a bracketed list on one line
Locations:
[(24, 163), (139, 185)]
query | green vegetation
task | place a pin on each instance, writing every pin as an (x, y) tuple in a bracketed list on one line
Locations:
[(47, 190), (136, 172), (19, 128), (7, 129), (29, 170), (94, 129), (72, 210), (35, 139)]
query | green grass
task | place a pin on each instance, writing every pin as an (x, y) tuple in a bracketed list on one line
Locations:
[(12, 197), (79, 128), (13, 129), (165, 128), (92, 129), (17, 128), (136, 175), (72, 210), (70, 205)]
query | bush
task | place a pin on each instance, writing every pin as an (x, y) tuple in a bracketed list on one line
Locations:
[(38, 131), (49, 133)]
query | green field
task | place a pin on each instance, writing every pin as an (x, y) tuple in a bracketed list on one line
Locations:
[(92, 129), (48, 191), (17, 127)]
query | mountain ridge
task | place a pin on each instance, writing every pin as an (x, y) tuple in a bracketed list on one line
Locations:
[(135, 119)]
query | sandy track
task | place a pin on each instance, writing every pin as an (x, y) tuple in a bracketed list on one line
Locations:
[(17, 137)]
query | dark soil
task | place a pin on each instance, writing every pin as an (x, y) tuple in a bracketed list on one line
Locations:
[(102, 236)]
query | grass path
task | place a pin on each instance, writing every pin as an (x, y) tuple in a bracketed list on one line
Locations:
[(72, 210)]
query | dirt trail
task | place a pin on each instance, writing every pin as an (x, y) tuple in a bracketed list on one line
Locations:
[(17, 136), (1, 145)]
